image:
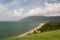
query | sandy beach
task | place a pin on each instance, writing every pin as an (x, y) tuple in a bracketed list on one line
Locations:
[(31, 31)]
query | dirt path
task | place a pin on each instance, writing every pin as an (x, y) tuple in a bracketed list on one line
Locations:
[(31, 31)]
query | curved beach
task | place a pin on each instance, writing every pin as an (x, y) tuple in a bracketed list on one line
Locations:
[(31, 31)]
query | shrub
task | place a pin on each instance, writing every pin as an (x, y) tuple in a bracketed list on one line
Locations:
[(50, 26)]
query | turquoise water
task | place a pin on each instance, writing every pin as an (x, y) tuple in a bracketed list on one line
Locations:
[(9, 29)]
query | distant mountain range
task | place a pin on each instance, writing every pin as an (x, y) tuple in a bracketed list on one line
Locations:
[(40, 19)]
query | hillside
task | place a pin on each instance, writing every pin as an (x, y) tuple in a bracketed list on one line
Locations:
[(50, 26), (40, 19)]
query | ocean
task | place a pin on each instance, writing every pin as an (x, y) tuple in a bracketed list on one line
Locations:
[(10, 29)]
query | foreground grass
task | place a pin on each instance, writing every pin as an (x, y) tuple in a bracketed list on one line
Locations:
[(51, 35)]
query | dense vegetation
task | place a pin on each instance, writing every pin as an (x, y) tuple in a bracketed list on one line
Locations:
[(53, 33), (50, 26)]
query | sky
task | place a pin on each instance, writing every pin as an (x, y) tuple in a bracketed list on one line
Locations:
[(13, 10)]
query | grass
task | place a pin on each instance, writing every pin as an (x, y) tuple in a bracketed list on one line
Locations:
[(51, 35)]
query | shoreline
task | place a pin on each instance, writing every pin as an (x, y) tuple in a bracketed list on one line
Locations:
[(31, 31)]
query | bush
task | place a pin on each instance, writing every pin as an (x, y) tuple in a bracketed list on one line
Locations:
[(50, 26)]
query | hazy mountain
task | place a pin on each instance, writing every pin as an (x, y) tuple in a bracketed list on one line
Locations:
[(40, 19)]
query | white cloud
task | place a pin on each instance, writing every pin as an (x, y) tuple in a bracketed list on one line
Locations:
[(52, 8), (49, 10), (35, 12), (2, 8), (18, 13), (15, 2)]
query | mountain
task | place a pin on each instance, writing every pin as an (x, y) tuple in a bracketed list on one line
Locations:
[(40, 19)]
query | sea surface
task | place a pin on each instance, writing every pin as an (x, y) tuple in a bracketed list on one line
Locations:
[(10, 29)]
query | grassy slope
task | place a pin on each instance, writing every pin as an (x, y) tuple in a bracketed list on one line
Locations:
[(51, 35)]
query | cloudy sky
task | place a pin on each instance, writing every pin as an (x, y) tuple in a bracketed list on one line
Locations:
[(12, 10)]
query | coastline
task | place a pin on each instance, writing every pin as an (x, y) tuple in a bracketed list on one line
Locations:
[(31, 31)]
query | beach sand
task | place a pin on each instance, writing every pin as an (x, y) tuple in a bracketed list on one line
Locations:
[(31, 31)]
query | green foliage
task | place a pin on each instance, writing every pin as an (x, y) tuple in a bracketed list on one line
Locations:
[(50, 26)]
